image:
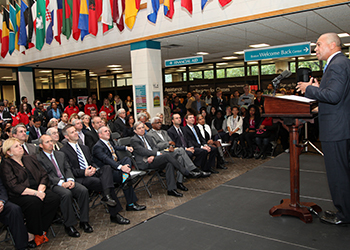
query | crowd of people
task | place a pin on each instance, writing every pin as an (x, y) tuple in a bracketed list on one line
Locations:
[(59, 155)]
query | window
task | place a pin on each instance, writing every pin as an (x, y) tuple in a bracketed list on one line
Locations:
[(268, 69), (61, 79), (314, 65), (43, 78), (209, 74), (175, 74), (196, 75), (8, 74), (107, 81), (220, 73), (93, 82), (78, 79), (235, 72)]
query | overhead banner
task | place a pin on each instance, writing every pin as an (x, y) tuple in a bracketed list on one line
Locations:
[(184, 61)]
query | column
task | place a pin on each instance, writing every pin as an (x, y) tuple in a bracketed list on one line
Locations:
[(146, 66), (26, 84), (281, 66)]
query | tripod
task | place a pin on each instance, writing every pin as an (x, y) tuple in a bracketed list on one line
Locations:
[(308, 142)]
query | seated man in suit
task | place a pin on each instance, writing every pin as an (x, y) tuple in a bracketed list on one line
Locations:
[(36, 130), (105, 153), (120, 122), (147, 156), (55, 136), (194, 139), (162, 141), (63, 184), (20, 132), (109, 123), (176, 133), (12, 215), (91, 137), (78, 124)]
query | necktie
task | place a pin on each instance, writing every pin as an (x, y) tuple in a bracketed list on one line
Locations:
[(115, 157), (181, 137), (38, 133), (25, 151), (80, 158), (207, 136), (59, 174), (324, 69), (145, 143), (195, 134)]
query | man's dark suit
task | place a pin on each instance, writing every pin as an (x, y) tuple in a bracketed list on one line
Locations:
[(333, 96), (119, 126), (32, 132), (200, 154), (79, 191), (102, 156), (91, 137), (194, 105), (100, 181), (32, 149), (218, 103), (192, 142), (12, 216)]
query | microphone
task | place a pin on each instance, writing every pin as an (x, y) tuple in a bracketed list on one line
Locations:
[(284, 74)]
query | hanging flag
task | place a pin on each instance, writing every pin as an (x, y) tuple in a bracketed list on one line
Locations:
[(76, 18), (223, 3), (169, 8), (107, 19), (95, 11), (28, 16), (18, 23), (22, 40), (1, 19), (40, 24), (57, 19), (131, 9), (12, 23), (204, 2), (49, 21), (118, 12), (84, 18), (67, 17), (34, 17), (152, 10), (5, 33), (187, 4)]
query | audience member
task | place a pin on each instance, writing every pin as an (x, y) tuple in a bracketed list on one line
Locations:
[(64, 121), (36, 130), (72, 108), (246, 98), (20, 132), (219, 102)]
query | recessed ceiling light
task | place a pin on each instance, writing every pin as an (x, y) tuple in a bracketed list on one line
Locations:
[(180, 70), (301, 57), (6, 77), (239, 52), (260, 45), (45, 71), (114, 66), (202, 53), (223, 63), (93, 74), (252, 63), (343, 34), (229, 57), (347, 44), (116, 69)]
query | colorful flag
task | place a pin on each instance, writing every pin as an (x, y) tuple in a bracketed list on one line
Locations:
[(28, 16), (57, 20), (67, 18), (18, 23), (5, 33), (224, 2), (107, 19), (84, 18), (117, 13), (12, 23), (22, 40), (49, 21), (40, 24), (152, 9), (95, 11), (187, 4), (131, 9), (204, 2), (169, 8), (1, 19), (76, 18)]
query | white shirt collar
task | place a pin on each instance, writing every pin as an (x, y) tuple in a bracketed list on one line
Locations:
[(331, 57)]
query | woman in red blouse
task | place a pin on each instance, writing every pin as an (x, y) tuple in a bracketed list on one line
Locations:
[(23, 114), (108, 108), (89, 105)]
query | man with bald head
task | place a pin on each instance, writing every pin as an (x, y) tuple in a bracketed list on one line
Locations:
[(333, 96)]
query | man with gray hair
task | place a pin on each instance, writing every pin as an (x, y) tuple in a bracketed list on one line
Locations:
[(109, 124), (55, 136), (120, 123), (142, 117), (20, 132)]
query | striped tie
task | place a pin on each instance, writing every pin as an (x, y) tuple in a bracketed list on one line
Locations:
[(80, 158), (115, 157)]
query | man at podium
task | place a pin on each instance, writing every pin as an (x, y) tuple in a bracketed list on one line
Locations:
[(333, 95)]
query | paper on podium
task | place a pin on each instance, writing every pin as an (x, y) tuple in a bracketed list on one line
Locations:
[(297, 98)]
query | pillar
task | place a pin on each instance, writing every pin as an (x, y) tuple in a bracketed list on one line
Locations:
[(281, 65), (146, 66), (26, 84)]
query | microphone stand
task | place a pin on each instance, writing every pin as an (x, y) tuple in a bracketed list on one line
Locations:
[(306, 142)]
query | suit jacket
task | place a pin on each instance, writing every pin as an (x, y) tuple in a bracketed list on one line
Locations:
[(159, 143), (72, 157), (175, 137), (31, 148), (102, 155), (141, 152), (32, 132), (3, 192), (333, 96), (91, 137), (50, 168), (218, 104), (15, 177), (190, 137), (119, 126), (194, 104)]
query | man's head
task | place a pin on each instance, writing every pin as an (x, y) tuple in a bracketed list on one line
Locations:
[(139, 128), (71, 102), (176, 119), (156, 123), (62, 100), (110, 96), (121, 113), (64, 117), (259, 93), (46, 143), (53, 132), (24, 99), (96, 122), (37, 122), (70, 133), (197, 96), (246, 88), (103, 115), (12, 109), (142, 117), (326, 45), (189, 94), (77, 124), (219, 93), (104, 133), (93, 113), (189, 119), (20, 132), (2, 106)]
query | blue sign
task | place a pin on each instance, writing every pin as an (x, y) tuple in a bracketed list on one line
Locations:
[(288, 50), (184, 61)]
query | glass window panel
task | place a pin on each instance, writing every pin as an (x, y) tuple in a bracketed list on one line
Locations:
[(93, 82), (220, 73), (168, 78), (209, 74), (61, 79), (292, 67), (8, 74), (174, 74), (107, 82), (78, 79), (314, 65), (184, 76), (129, 82), (253, 70), (196, 75), (268, 69), (121, 82), (43, 78), (235, 72)]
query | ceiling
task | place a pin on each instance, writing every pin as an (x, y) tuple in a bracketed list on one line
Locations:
[(223, 41)]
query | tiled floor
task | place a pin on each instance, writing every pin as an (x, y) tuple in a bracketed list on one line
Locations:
[(159, 203)]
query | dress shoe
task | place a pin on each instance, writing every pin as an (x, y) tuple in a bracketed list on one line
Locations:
[(162, 174), (174, 193), (86, 227), (331, 220), (135, 207), (205, 174), (108, 200), (119, 219), (181, 186), (72, 232), (31, 244), (211, 170), (221, 166), (192, 174)]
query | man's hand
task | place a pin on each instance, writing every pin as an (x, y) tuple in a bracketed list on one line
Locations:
[(207, 148), (210, 142), (190, 149), (130, 149), (1, 206), (150, 159), (90, 171), (68, 184), (301, 87), (41, 195), (125, 168), (172, 143)]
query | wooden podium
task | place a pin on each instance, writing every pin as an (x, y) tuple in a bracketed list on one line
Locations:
[(292, 111)]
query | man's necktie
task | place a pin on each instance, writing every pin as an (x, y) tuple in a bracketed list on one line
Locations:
[(25, 151), (37, 133), (59, 174), (195, 134), (80, 158), (115, 157), (145, 143), (325, 66), (207, 136), (181, 137)]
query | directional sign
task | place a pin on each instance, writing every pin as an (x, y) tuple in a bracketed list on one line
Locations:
[(184, 61), (288, 50)]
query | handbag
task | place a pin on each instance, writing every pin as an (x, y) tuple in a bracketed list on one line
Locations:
[(262, 133)]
